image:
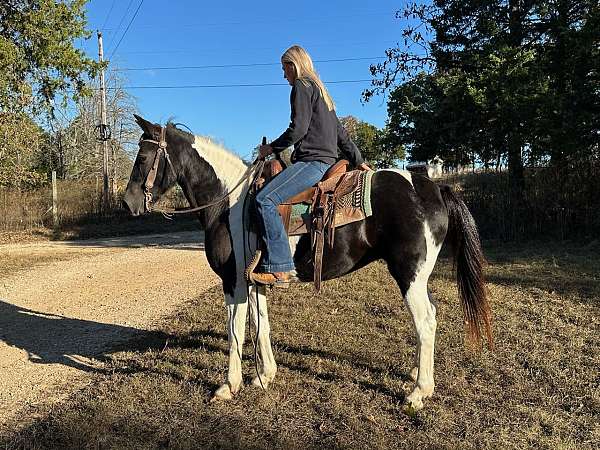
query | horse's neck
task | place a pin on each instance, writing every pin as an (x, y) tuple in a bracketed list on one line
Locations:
[(228, 168), (217, 220), (209, 172)]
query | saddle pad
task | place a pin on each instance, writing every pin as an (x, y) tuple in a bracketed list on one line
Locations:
[(351, 207)]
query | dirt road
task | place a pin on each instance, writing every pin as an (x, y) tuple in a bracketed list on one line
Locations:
[(73, 302)]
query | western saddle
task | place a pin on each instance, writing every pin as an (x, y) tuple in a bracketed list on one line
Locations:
[(321, 200)]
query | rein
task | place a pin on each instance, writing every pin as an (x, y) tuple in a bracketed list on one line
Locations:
[(252, 172)]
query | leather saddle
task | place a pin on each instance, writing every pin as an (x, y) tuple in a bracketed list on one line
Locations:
[(320, 202)]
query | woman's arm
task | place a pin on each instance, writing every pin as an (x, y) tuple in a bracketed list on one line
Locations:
[(348, 148), (301, 103)]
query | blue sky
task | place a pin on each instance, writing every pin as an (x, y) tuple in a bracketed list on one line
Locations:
[(198, 33)]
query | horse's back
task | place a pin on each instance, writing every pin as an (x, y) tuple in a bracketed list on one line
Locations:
[(404, 206)]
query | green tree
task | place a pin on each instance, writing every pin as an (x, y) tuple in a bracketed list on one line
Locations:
[(21, 140), (375, 146), (495, 80), (39, 65), (39, 60)]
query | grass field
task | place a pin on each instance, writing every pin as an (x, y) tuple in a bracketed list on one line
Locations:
[(344, 359)]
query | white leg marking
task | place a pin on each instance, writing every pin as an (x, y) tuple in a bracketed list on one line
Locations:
[(423, 316), (237, 309), (236, 327), (260, 319), (293, 240)]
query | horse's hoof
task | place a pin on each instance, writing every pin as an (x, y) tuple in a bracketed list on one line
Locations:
[(223, 393), (409, 410), (414, 373), (261, 382), (414, 402)]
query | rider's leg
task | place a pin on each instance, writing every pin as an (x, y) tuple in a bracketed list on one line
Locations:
[(293, 180)]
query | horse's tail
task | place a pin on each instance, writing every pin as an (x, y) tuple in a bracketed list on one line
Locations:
[(468, 262)]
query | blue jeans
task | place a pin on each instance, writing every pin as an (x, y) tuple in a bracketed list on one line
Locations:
[(294, 179)]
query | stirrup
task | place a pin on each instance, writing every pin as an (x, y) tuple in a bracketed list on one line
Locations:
[(270, 279), (252, 266)]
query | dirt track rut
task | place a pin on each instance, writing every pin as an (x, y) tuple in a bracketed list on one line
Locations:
[(57, 319)]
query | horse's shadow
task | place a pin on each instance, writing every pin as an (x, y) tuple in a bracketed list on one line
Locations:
[(56, 339), (285, 349)]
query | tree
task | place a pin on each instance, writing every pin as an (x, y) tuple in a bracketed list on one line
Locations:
[(496, 79), (21, 140), (37, 53), (373, 143), (75, 153), (39, 64)]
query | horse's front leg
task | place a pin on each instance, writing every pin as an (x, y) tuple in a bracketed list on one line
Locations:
[(267, 368), (237, 309)]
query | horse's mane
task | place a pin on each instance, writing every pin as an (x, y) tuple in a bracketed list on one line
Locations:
[(182, 134), (191, 138)]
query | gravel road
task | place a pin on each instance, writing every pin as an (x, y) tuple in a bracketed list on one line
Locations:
[(58, 318)]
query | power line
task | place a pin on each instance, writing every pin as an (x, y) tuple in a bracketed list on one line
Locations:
[(109, 11), (211, 86), (116, 30), (309, 46), (222, 66), (126, 29)]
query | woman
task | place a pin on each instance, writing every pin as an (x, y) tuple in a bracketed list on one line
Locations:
[(316, 133)]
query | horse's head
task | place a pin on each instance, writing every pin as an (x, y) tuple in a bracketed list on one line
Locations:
[(152, 174)]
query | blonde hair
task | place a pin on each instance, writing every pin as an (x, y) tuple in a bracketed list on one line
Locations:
[(304, 69)]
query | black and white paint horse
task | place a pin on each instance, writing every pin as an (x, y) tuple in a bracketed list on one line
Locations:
[(412, 217)]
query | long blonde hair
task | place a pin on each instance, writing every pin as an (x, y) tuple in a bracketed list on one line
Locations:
[(305, 69)]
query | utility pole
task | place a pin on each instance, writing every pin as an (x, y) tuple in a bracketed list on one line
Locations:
[(104, 134), (54, 202)]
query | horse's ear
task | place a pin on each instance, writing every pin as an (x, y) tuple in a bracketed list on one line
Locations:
[(148, 127)]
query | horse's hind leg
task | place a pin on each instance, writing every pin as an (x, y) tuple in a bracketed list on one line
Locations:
[(260, 319), (414, 373), (413, 285), (423, 316)]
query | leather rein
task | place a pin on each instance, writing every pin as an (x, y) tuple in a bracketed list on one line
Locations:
[(253, 172)]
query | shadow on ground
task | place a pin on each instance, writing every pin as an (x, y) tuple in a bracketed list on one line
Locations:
[(56, 339)]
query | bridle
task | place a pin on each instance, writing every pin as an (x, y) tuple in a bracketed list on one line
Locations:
[(254, 170), (151, 177)]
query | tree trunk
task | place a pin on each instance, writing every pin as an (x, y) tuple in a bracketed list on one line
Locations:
[(514, 140), (516, 185)]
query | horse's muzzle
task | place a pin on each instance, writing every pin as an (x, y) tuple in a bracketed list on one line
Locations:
[(131, 204)]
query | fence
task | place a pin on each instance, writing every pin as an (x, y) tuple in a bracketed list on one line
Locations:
[(556, 203), (79, 211)]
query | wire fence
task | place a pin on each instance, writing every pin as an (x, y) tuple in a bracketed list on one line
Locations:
[(556, 203), (80, 212)]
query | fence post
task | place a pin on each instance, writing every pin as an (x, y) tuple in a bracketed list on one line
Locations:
[(54, 201)]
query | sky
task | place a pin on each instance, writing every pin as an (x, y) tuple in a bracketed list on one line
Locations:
[(252, 35)]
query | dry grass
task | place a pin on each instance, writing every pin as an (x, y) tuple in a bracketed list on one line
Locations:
[(343, 363)]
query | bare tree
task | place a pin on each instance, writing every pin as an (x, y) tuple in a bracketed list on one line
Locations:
[(77, 147)]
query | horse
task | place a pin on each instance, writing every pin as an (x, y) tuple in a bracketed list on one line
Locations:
[(411, 218)]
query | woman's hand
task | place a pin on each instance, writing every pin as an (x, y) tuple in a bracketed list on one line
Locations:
[(264, 151), (363, 166)]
